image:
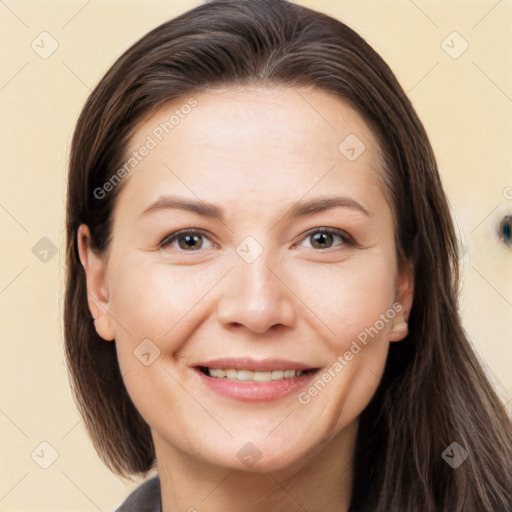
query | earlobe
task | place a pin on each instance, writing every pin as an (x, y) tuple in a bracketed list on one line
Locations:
[(97, 289), (403, 303)]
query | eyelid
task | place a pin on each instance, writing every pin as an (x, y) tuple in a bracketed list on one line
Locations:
[(347, 239), (171, 237)]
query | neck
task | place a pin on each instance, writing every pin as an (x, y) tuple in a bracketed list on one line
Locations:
[(322, 481)]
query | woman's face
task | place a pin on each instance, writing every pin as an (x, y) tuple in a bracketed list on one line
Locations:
[(209, 326)]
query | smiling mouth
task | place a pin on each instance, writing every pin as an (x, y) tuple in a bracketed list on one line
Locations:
[(251, 380), (244, 375)]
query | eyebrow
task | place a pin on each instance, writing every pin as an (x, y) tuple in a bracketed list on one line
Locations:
[(299, 209)]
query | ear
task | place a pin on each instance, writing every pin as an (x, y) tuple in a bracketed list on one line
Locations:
[(97, 289), (403, 302)]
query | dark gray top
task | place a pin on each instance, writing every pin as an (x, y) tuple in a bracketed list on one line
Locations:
[(146, 498)]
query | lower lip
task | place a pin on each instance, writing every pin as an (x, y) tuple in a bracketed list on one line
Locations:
[(255, 391)]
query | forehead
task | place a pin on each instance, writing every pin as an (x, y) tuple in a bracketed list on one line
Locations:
[(237, 145)]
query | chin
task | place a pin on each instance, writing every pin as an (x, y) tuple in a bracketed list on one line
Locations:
[(263, 455)]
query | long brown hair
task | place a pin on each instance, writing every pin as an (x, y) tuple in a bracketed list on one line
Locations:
[(433, 391)]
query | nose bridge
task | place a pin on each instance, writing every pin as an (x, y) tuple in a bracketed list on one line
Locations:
[(255, 294)]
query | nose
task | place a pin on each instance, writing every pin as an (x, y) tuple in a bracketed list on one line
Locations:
[(257, 297)]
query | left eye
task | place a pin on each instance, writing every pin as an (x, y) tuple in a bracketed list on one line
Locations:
[(192, 240), (324, 236)]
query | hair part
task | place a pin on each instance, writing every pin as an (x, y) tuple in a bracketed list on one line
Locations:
[(434, 390)]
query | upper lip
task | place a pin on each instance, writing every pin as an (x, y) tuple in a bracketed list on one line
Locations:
[(247, 363)]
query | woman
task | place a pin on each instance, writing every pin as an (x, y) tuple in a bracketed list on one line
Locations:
[(262, 279)]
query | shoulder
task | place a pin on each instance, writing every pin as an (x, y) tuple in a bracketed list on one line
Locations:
[(145, 498)]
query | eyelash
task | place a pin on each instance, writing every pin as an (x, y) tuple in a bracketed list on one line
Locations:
[(168, 240)]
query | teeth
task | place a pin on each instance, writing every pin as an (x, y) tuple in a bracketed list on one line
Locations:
[(220, 374), (262, 376), (231, 374), (245, 375), (250, 376)]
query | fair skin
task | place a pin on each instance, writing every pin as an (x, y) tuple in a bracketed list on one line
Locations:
[(254, 153)]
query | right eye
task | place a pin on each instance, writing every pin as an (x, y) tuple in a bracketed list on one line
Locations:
[(189, 240)]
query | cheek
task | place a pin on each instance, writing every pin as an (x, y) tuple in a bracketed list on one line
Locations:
[(337, 302), (154, 308), (152, 300), (348, 297), (161, 302), (353, 302)]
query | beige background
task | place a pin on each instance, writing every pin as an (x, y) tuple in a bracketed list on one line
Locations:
[(465, 104)]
